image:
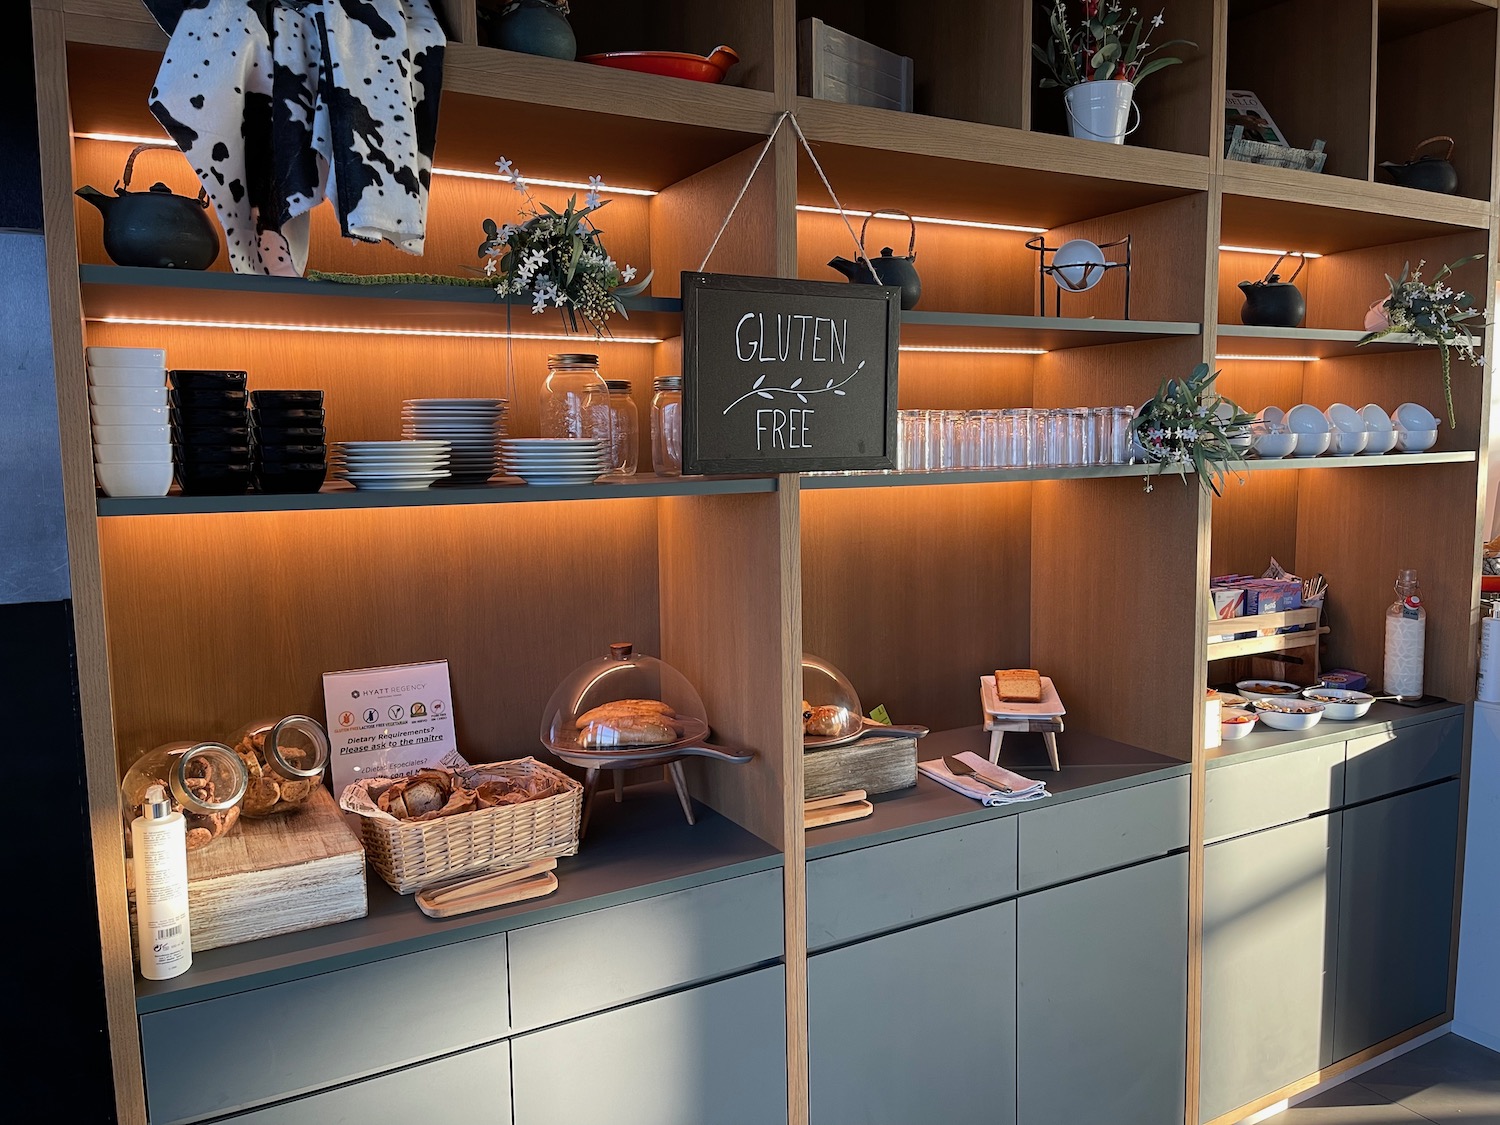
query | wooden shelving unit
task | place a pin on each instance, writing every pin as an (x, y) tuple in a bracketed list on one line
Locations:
[(731, 579)]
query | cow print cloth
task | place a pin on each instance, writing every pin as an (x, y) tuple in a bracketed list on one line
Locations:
[(279, 103)]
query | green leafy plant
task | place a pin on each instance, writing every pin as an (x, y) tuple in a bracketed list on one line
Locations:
[(1435, 314), (1190, 426), (1110, 42), (558, 258)]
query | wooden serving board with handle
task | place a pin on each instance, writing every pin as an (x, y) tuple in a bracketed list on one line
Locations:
[(836, 809), (498, 888)]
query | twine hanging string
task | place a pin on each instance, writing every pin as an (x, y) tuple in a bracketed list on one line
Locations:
[(789, 116)]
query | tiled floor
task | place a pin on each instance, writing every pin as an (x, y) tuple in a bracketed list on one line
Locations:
[(1449, 1081)]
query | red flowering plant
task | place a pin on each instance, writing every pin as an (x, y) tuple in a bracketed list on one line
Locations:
[(1109, 43)]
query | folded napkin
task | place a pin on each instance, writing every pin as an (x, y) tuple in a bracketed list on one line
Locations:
[(1021, 788)]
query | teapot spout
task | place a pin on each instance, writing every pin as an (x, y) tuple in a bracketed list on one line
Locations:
[(846, 267), (96, 197)]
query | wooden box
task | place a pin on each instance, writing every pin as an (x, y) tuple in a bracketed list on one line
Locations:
[(876, 765), (274, 876), (836, 67)]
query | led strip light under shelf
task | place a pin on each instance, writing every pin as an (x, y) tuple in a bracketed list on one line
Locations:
[(361, 330)]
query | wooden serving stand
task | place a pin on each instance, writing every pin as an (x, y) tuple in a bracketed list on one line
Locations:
[(1307, 641), (1049, 729)]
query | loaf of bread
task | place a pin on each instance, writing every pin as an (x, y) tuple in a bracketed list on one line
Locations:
[(628, 730), (1018, 685), (624, 708)]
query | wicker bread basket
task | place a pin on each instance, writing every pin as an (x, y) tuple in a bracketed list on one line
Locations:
[(411, 855)]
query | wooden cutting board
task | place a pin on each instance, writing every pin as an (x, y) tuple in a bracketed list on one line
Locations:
[(274, 876)]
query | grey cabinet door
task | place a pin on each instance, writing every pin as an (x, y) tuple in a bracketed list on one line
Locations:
[(1101, 1023), (918, 1026), (470, 1088), (1270, 935), (713, 1055), (1395, 915)]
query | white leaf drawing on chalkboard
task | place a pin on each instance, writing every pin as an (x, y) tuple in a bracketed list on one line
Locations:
[(758, 391)]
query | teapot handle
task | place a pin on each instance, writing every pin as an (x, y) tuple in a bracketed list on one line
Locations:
[(130, 169), (911, 247), (1434, 140)]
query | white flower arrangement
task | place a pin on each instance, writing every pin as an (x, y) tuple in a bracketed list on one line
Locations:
[(1435, 314), (1189, 426), (557, 258)]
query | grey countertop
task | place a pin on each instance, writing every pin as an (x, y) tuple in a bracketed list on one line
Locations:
[(1090, 765), (634, 850), (1264, 742)]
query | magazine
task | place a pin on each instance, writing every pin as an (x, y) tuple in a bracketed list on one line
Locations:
[(1242, 107)]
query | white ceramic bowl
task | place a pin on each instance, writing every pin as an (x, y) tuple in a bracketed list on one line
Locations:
[(156, 453), (1281, 720), (1413, 416), (1229, 731), (1274, 444), (1272, 414), (127, 357), (1415, 441), (127, 376), (1376, 418), (1350, 434), (1312, 445), (1378, 442), (129, 415), (128, 396), (144, 479), (1257, 689), (132, 435), (1341, 704), (1307, 419)]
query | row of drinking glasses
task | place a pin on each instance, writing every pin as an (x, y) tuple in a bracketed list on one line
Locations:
[(938, 440)]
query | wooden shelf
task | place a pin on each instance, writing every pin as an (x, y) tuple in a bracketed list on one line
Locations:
[(1383, 461), (1326, 214), (250, 299), (947, 168), (1325, 343), (336, 497), (979, 330)]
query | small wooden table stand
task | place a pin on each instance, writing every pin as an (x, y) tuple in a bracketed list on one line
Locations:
[(1049, 729)]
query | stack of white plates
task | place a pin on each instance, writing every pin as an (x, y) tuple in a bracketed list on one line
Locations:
[(471, 426), (555, 460), (132, 438), (402, 466)]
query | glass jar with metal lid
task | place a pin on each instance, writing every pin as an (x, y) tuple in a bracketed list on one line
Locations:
[(625, 429), (575, 399), (285, 759), (666, 427), (205, 780)]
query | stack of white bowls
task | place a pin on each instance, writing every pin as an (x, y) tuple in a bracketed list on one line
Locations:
[(1343, 431), (472, 427), (556, 460), (132, 431), (394, 466)]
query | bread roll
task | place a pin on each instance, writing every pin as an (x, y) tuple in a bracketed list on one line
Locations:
[(1018, 685), (826, 722)]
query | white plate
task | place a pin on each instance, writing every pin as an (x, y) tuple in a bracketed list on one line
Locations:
[(582, 479), (390, 485), (354, 477), (495, 403), (561, 458), (1050, 707), (555, 443), (127, 357), (377, 446)]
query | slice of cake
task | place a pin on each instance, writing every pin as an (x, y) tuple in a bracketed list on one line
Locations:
[(1018, 685)]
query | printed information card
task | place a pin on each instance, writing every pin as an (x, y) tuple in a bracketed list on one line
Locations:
[(389, 722)]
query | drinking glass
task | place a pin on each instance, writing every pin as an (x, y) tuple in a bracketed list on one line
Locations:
[(1016, 437), (989, 439), (1120, 434), (1070, 437)]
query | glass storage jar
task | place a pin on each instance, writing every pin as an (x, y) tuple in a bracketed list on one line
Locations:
[(624, 429), (205, 780), (285, 759), (575, 399), (666, 427)]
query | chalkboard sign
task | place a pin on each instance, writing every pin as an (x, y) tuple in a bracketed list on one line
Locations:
[(788, 376)]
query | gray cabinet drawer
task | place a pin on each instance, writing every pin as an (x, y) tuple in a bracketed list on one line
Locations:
[(310, 1034), (472, 1088), (1403, 758), (590, 962), (872, 890), (1077, 838), (713, 1055), (1248, 796), (900, 1031)]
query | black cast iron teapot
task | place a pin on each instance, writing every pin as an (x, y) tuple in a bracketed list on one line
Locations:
[(891, 270), (155, 228), (1425, 173), (1273, 303)]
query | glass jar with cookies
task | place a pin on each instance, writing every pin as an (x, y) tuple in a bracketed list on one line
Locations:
[(285, 759)]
